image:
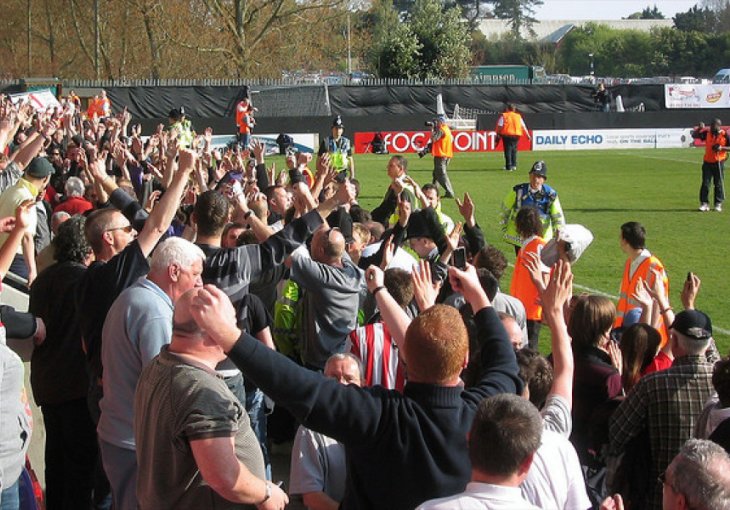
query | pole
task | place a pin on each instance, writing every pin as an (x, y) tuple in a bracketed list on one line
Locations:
[(30, 51), (349, 47), (96, 39)]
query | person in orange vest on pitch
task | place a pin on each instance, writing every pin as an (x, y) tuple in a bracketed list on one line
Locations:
[(245, 121), (529, 227), (510, 127), (92, 109), (641, 265), (442, 149), (713, 164)]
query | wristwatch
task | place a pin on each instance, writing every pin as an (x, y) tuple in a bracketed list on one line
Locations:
[(268, 493)]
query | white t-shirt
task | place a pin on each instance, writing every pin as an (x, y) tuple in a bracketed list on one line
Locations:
[(317, 465), (555, 480), (479, 496)]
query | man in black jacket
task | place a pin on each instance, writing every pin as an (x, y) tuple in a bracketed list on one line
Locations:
[(402, 449)]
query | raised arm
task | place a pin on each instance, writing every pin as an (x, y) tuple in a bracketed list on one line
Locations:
[(393, 315), (163, 213), (557, 293), (346, 413), (15, 227)]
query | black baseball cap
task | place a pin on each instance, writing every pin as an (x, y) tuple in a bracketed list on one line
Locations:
[(693, 323)]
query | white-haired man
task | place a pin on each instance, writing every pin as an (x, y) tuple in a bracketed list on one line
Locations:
[(698, 478), (75, 202), (138, 324), (667, 403)]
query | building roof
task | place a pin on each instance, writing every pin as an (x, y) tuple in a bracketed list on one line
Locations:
[(552, 31)]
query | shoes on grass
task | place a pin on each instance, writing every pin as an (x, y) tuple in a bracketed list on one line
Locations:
[(718, 207), (704, 207)]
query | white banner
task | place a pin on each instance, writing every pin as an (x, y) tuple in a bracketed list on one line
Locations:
[(587, 139), (696, 96), (40, 99)]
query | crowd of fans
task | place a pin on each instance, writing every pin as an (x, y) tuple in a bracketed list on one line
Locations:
[(179, 292)]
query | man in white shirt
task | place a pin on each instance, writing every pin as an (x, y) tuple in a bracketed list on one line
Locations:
[(502, 443)]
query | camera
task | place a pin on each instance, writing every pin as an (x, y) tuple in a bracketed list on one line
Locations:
[(428, 124)]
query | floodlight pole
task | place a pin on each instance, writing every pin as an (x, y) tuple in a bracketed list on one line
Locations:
[(590, 56)]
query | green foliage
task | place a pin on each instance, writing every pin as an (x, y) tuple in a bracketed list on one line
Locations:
[(520, 13), (432, 42), (647, 13), (630, 53), (697, 20)]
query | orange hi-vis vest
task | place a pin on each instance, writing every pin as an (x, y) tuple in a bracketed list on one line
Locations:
[(628, 287), (92, 110), (241, 113), (713, 156), (444, 146), (522, 286), (512, 124)]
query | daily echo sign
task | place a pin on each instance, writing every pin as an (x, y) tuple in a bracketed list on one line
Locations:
[(398, 142)]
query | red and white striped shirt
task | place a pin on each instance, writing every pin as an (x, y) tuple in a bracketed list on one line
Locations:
[(376, 349)]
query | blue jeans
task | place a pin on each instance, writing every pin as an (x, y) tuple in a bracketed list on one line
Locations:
[(10, 497), (257, 414)]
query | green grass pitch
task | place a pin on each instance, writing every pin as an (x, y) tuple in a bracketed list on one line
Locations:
[(601, 190)]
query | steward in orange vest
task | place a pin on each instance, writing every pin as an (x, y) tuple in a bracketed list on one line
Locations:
[(641, 264), (442, 149), (529, 228), (713, 164), (510, 128)]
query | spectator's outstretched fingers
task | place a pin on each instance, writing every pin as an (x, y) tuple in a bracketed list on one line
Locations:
[(534, 268), (388, 252), (425, 291), (559, 288), (466, 209), (213, 312)]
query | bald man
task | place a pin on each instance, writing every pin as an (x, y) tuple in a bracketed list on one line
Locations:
[(333, 284), (201, 451)]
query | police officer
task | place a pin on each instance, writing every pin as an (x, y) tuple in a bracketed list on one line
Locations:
[(182, 125), (536, 194), (339, 149)]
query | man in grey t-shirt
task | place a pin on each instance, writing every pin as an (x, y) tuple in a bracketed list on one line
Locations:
[(195, 446), (332, 284)]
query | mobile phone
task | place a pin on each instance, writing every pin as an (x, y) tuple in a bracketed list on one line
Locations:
[(458, 258), (689, 276)]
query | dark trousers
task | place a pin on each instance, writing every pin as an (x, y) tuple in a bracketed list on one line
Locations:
[(102, 491), (71, 455), (713, 173), (440, 176), (510, 151), (533, 333)]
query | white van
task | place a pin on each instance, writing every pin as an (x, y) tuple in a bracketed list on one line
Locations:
[(722, 76)]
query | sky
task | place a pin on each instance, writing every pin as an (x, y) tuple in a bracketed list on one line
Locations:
[(607, 9)]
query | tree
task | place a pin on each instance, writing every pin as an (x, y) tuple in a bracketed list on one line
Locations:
[(432, 42), (520, 13), (647, 13), (444, 40), (696, 19)]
